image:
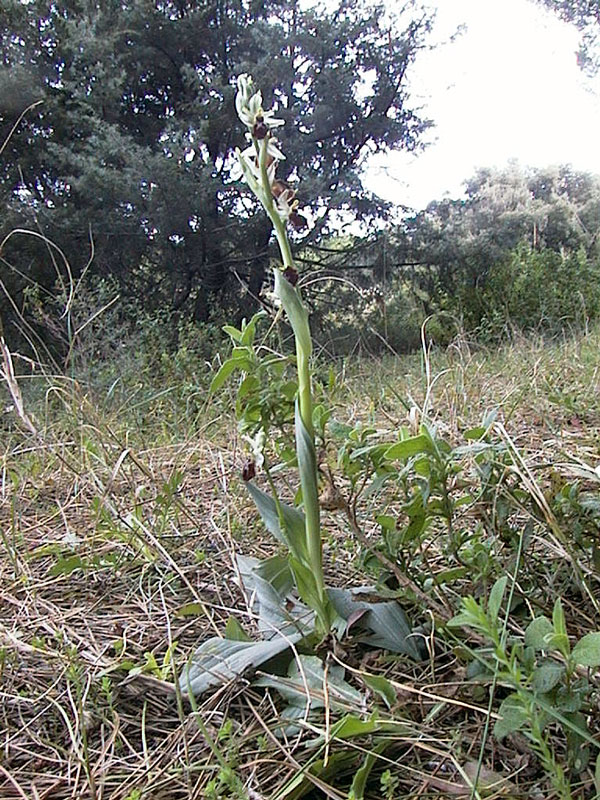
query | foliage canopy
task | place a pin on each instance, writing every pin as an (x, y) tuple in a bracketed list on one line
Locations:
[(132, 146), (585, 14)]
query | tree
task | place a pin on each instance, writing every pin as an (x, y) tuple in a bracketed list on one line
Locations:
[(133, 145), (585, 14), (451, 248)]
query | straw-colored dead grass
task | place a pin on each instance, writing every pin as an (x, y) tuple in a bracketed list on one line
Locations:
[(155, 571)]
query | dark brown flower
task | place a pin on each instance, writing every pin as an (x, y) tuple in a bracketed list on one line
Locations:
[(291, 275), (278, 187), (298, 221), (248, 471), (259, 129)]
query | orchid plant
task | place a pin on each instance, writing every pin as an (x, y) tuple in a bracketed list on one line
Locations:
[(271, 586), (259, 166)]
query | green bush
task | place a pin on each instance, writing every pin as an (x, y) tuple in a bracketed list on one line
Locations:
[(368, 317), (540, 290), (122, 354)]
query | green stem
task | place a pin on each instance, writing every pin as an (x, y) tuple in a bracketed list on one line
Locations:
[(270, 208), (307, 460), (304, 382)]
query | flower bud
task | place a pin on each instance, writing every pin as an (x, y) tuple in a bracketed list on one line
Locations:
[(291, 275), (298, 221), (248, 471)]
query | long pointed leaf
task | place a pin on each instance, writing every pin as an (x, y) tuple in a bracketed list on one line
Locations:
[(274, 570), (267, 585), (307, 672), (359, 784), (292, 533), (225, 371), (307, 585), (295, 310), (307, 467), (218, 661), (385, 624)]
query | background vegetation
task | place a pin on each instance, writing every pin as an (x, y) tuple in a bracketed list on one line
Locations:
[(458, 482), (122, 156)]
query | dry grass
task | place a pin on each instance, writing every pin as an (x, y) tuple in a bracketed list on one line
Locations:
[(154, 525)]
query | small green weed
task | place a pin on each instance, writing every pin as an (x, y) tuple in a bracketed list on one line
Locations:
[(541, 671)]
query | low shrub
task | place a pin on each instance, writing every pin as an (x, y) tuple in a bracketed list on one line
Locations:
[(539, 290)]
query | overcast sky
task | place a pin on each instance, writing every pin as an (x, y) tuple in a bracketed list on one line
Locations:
[(508, 87)]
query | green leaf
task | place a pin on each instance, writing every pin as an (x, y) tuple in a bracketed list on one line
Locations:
[(352, 726), (67, 565), (385, 624), (587, 651), (547, 676), (306, 584), (496, 597), (577, 748), (475, 433), (471, 615), (248, 385), (422, 466), (289, 390), (513, 717), (415, 528), (249, 330), (539, 633), (408, 447), (376, 484), (224, 372), (359, 783), (437, 445), (190, 610), (339, 430), (597, 776), (234, 631), (241, 353), (300, 786), (232, 332), (558, 619), (307, 467), (374, 451), (291, 533), (295, 310), (267, 586), (307, 674), (450, 575), (386, 521), (218, 661), (382, 687), (568, 699), (275, 570), (462, 620), (560, 639), (465, 500)]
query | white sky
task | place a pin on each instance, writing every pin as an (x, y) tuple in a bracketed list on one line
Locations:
[(509, 87)]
